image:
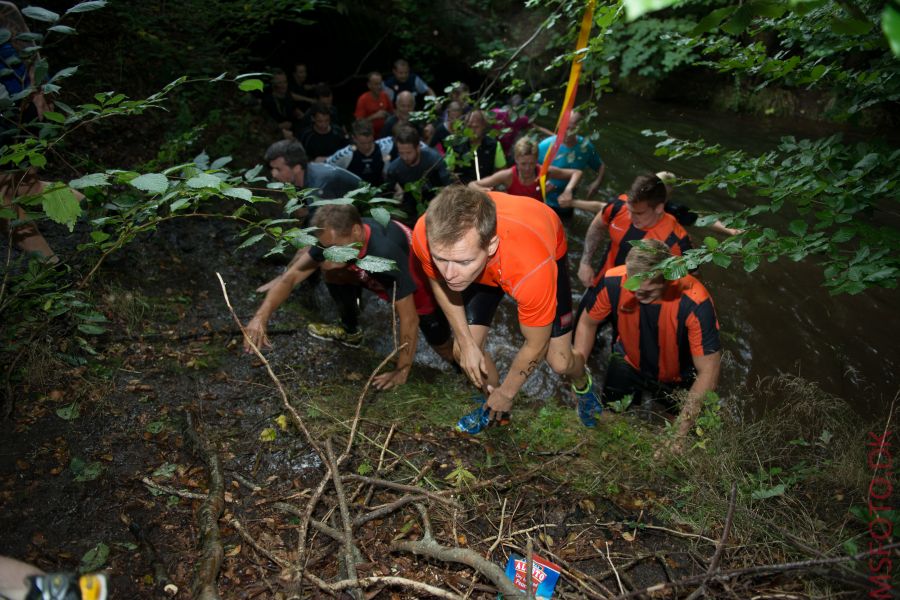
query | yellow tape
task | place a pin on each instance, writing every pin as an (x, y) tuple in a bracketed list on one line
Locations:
[(562, 123)]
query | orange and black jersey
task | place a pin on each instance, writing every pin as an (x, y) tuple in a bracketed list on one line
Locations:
[(659, 339), (622, 231)]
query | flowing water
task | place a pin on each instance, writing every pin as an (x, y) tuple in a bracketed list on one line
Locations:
[(778, 319)]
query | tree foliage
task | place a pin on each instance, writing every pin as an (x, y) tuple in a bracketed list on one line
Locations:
[(826, 198)]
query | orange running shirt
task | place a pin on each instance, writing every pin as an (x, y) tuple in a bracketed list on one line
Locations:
[(659, 339), (367, 104), (532, 239), (622, 231)]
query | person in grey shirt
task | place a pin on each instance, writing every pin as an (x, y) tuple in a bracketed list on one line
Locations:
[(413, 165)]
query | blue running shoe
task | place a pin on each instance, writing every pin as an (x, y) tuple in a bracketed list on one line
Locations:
[(477, 420), (589, 407)]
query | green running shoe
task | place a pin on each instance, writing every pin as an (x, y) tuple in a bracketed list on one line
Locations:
[(331, 332)]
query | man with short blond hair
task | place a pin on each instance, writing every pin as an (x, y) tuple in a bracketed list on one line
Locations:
[(476, 248)]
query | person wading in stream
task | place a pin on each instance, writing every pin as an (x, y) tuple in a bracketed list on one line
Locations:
[(341, 225), (666, 336), (639, 215), (477, 247)]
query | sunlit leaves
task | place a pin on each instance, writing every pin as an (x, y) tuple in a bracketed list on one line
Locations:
[(153, 183), (86, 6), (341, 254), (40, 14), (251, 85), (890, 24), (375, 264), (636, 8), (61, 205)]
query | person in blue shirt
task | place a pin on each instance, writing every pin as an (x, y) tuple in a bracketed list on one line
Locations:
[(575, 152)]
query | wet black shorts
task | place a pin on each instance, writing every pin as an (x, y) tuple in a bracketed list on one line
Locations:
[(622, 379), (435, 328), (482, 300)]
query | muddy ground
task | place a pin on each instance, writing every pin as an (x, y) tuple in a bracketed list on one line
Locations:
[(82, 444)]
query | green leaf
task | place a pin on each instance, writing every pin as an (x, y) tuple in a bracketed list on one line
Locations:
[(337, 201), (364, 468), (738, 23), (890, 24), (94, 558), (763, 493), (268, 435), (722, 260), (250, 85), (240, 193), (84, 471), (40, 14), (751, 262), (850, 26), (91, 329), (204, 180), (37, 161), (153, 183), (713, 19), (68, 413), (61, 205), (86, 6), (376, 264), (381, 215), (772, 10), (636, 8), (632, 283), (844, 234), (251, 240), (179, 204), (64, 29), (155, 427), (166, 470), (54, 116), (798, 227), (63, 73), (711, 243), (92, 180), (341, 254)]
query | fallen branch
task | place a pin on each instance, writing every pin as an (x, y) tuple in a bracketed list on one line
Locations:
[(428, 590), (172, 491), (757, 570), (351, 553), (212, 554), (717, 556), (430, 548), (404, 488)]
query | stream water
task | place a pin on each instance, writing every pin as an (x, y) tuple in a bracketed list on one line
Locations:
[(778, 319)]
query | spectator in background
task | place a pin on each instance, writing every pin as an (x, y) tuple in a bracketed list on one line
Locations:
[(512, 121), (415, 164), (478, 155), (374, 105), (322, 139), (575, 152), (278, 103), (522, 178), (403, 80), (301, 91), (404, 105), (365, 157), (324, 97), (446, 127)]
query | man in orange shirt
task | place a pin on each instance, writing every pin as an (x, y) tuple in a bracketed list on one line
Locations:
[(374, 105), (666, 335), (475, 248)]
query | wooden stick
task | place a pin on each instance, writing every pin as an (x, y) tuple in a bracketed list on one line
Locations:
[(207, 571), (404, 488), (758, 570), (717, 556)]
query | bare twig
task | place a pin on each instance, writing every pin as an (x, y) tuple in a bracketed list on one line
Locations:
[(295, 416), (172, 491), (529, 566), (464, 556), (618, 579), (757, 570), (717, 556), (350, 551), (499, 532), (404, 488), (207, 570), (424, 588)]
